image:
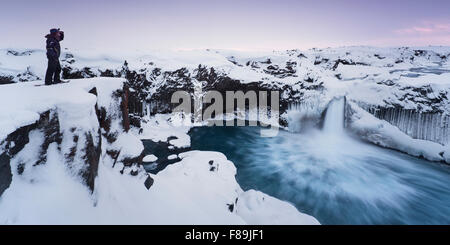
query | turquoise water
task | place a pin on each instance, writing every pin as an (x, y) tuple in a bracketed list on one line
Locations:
[(338, 179)]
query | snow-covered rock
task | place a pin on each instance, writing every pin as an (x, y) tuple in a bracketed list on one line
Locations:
[(71, 127), (150, 158), (172, 157), (166, 128), (258, 208), (76, 116), (384, 134), (200, 173)]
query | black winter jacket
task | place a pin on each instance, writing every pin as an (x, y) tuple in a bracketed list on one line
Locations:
[(53, 47)]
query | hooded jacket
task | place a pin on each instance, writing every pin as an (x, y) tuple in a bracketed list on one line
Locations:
[(53, 47)]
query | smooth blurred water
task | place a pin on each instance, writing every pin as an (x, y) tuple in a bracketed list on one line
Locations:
[(335, 178), (334, 119)]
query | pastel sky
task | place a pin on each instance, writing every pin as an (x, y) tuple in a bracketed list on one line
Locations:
[(230, 24)]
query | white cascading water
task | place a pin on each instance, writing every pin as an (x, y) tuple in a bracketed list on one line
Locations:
[(334, 117)]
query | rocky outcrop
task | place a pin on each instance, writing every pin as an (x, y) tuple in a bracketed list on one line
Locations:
[(5, 172), (80, 147), (48, 125), (16, 141), (6, 79), (124, 108)]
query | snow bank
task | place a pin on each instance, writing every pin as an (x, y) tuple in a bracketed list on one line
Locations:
[(384, 134), (200, 173), (48, 194), (30, 64), (172, 157), (258, 208), (187, 192)]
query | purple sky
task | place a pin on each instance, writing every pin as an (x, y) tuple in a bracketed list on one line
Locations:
[(230, 24)]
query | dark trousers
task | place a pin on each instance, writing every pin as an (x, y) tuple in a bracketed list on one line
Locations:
[(53, 71)]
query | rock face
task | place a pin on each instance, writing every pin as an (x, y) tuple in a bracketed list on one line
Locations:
[(5, 172), (17, 140), (48, 125)]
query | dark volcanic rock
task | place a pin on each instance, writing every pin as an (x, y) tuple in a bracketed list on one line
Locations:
[(92, 154), (124, 95), (5, 172), (49, 124), (6, 80), (148, 182)]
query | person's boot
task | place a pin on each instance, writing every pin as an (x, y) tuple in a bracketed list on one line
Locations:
[(60, 81), (48, 79)]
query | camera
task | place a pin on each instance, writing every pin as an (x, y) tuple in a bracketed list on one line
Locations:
[(61, 35)]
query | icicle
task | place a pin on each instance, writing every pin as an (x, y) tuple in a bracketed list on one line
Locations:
[(427, 126)]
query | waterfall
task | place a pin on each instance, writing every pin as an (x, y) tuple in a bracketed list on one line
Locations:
[(334, 117), (151, 108), (148, 110)]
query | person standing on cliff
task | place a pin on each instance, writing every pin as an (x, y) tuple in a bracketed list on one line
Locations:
[(52, 75)]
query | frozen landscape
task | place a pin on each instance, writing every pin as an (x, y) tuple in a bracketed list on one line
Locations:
[(364, 139)]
